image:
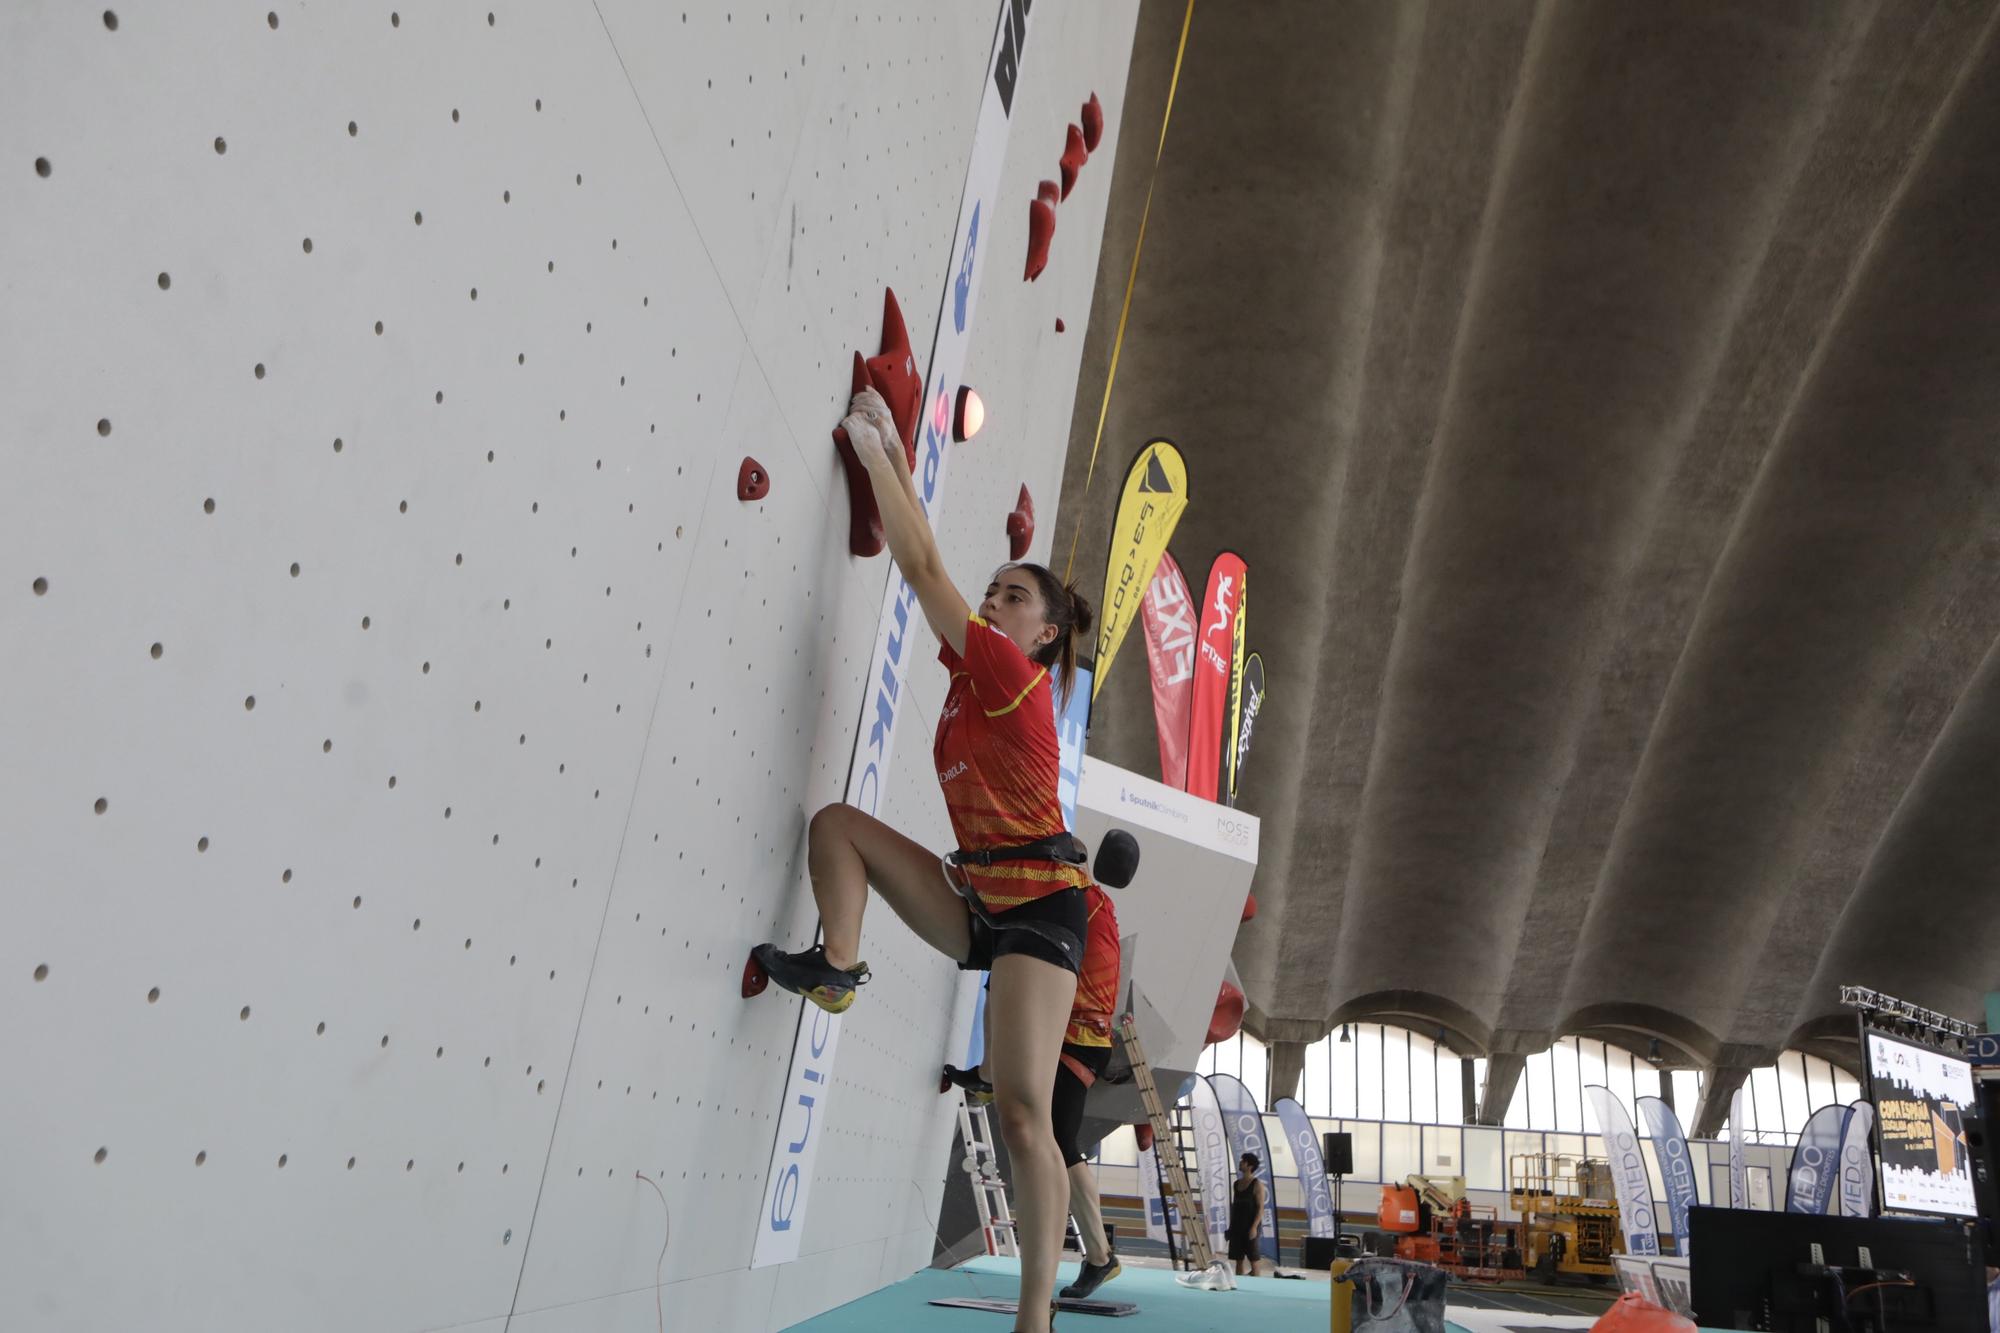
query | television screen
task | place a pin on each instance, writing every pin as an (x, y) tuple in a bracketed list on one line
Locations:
[(1922, 1098)]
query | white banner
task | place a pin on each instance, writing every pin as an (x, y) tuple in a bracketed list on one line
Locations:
[(1739, 1193), (795, 1149), (1149, 1196), (1857, 1164), (1628, 1172), (1217, 1171)]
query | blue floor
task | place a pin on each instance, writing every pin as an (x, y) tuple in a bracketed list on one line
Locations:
[(1267, 1305)]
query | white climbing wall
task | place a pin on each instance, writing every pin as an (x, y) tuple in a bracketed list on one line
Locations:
[(406, 730)]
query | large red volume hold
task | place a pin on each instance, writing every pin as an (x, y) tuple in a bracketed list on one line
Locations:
[(1093, 123), (752, 481), (1228, 1018), (1021, 526), (1041, 231), (1073, 158), (892, 373)]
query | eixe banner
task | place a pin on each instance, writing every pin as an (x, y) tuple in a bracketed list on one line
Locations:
[(1168, 614), (1214, 668), (1155, 495)]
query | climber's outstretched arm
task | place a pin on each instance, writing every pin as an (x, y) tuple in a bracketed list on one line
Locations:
[(873, 433)]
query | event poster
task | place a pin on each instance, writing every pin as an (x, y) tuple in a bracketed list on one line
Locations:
[(1921, 1098)]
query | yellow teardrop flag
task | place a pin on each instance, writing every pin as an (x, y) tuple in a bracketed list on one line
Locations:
[(1155, 496)]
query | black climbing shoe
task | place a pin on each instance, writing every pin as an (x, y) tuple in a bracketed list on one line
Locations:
[(1091, 1278), (808, 973), (978, 1089)]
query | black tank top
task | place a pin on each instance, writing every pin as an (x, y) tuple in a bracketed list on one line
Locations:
[(1243, 1208)]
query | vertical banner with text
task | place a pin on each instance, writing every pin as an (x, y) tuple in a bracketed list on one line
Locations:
[(1214, 668), (1670, 1145), (1628, 1171), (1155, 496), (801, 1115), (1168, 615), (1211, 1138), (1313, 1184)]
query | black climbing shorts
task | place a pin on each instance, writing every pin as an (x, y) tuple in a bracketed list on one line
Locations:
[(1244, 1247), (1067, 1105), (1050, 928)]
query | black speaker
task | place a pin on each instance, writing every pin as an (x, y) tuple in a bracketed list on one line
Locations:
[(1321, 1251), (1339, 1153)]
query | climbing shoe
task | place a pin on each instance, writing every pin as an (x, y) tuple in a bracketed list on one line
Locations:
[(976, 1088), (808, 973), (1091, 1278)]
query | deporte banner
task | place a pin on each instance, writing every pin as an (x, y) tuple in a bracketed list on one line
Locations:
[(801, 1117), (1676, 1167), (1628, 1171), (1211, 1138), (1246, 1135), (1816, 1162), (1214, 669), (1168, 616), (1313, 1184), (1857, 1163), (1739, 1191), (1155, 496)]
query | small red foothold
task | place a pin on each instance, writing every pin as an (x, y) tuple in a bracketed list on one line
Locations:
[(752, 481), (1021, 526), (755, 978), (1041, 231), (1143, 1133), (1093, 123), (1249, 908), (1049, 193), (1060, 328)]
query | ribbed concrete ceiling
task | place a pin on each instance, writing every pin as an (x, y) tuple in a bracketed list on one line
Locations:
[(1606, 399)]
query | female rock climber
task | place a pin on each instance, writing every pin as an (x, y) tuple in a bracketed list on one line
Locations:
[(1019, 909)]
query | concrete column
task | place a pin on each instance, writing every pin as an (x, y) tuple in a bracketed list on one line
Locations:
[(1468, 1089), (1718, 1087), (1503, 1074), (1287, 1061)]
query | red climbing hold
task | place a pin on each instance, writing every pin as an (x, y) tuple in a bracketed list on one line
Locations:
[(1249, 908), (892, 373), (752, 481), (1049, 193), (755, 978), (1228, 1018), (1021, 526), (1143, 1133), (1041, 231), (1073, 158), (1093, 123), (1059, 326)]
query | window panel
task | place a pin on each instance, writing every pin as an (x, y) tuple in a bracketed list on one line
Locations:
[(1367, 1148), (1368, 1044), (1442, 1155), (1396, 1074), (1485, 1159), (1566, 1112), (1402, 1151)]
